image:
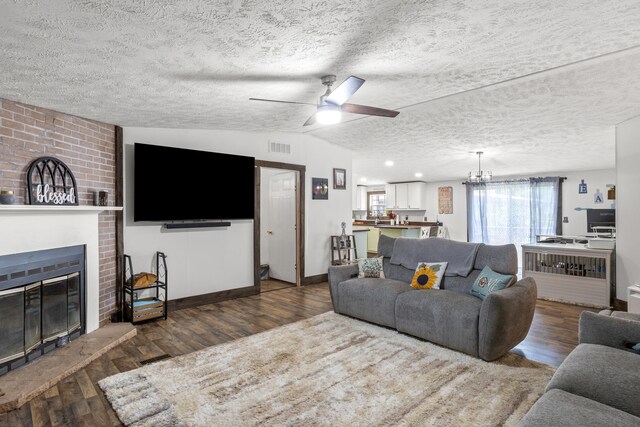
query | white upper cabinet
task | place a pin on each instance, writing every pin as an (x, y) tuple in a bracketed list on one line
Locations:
[(390, 196), (416, 195), (360, 199), (406, 195)]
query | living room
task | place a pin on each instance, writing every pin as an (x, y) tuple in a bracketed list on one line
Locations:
[(541, 90)]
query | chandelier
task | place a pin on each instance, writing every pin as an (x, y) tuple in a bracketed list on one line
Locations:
[(480, 175)]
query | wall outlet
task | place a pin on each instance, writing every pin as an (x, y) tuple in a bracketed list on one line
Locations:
[(565, 219)]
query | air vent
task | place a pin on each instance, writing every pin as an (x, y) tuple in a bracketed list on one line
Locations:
[(34, 271), (277, 147)]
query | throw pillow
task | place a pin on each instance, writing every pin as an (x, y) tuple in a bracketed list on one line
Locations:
[(428, 275), (371, 267), (489, 281)]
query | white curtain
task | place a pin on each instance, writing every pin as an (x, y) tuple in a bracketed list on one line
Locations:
[(501, 212)]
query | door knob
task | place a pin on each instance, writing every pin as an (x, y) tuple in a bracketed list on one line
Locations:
[(269, 232)]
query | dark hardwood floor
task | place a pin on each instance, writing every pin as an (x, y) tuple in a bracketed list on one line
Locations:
[(274, 285), (78, 400)]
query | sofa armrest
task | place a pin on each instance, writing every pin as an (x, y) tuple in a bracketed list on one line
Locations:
[(337, 275), (505, 318), (605, 330)]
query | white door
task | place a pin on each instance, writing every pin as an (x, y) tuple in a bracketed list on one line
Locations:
[(279, 214)]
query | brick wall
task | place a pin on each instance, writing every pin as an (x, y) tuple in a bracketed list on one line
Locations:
[(86, 146)]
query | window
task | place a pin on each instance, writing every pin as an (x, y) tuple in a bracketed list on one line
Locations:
[(513, 211), (376, 204)]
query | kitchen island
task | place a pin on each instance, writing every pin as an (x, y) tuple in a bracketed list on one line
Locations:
[(412, 229)]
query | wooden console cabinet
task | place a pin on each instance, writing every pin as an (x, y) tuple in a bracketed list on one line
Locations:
[(570, 272)]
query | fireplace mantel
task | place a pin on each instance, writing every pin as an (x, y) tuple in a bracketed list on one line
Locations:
[(56, 208), (25, 228)]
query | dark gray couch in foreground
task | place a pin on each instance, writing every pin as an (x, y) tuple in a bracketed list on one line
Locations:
[(449, 316), (598, 384)]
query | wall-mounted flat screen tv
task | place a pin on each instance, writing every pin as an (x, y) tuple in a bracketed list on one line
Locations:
[(176, 184)]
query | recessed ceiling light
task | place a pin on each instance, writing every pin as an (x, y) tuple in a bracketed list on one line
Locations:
[(389, 163), (363, 179), (418, 174)]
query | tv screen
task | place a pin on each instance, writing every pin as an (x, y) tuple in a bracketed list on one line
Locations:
[(179, 184), (600, 218)]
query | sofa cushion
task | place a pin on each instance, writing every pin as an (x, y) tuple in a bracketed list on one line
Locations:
[(428, 275), (459, 283), (397, 272), (372, 300), (562, 409), (501, 258), (385, 245), (607, 375), (440, 316)]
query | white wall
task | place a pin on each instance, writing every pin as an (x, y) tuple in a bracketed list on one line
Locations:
[(628, 205), (456, 222), (201, 261), (571, 199)]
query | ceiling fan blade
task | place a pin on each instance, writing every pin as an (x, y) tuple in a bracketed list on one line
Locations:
[(347, 88), (371, 111), (311, 120), (282, 102)]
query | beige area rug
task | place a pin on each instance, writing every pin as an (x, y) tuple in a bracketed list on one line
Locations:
[(329, 370)]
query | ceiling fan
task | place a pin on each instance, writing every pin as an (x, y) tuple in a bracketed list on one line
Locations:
[(333, 103)]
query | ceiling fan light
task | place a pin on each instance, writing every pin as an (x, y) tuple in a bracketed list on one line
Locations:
[(328, 116)]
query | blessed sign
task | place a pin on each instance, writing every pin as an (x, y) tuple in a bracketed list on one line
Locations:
[(51, 182)]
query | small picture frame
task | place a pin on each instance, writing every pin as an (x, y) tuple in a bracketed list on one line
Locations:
[(339, 179), (319, 188)]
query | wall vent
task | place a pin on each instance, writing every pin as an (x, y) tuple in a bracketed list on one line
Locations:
[(278, 147)]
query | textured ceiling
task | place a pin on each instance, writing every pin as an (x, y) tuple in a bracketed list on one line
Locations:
[(537, 85)]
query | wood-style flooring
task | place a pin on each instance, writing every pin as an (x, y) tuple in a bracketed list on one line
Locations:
[(274, 285), (78, 400)]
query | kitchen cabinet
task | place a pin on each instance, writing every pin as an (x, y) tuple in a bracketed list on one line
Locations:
[(390, 196), (406, 195), (416, 192), (360, 199)]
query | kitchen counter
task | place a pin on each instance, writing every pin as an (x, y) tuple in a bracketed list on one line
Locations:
[(400, 227), (360, 229)]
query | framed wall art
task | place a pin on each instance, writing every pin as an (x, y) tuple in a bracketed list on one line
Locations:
[(445, 200), (320, 188), (339, 179)]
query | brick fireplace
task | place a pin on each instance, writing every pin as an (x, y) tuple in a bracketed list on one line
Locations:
[(88, 148)]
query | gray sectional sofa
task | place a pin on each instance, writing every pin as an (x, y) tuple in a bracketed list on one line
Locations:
[(449, 316), (598, 384)]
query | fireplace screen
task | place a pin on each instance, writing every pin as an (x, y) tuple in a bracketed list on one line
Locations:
[(37, 313), (73, 301), (32, 316), (41, 303), (54, 308), (11, 324)]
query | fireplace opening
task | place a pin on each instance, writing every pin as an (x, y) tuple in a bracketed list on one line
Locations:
[(41, 303)]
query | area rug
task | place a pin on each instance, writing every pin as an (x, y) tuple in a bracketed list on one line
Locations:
[(329, 370)]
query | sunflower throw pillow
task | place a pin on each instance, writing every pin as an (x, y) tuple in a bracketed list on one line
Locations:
[(371, 267), (428, 275)]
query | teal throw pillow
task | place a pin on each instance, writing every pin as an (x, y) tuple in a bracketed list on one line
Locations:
[(489, 281)]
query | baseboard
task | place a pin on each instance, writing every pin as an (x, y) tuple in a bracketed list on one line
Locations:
[(619, 305), (312, 280), (197, 300)]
